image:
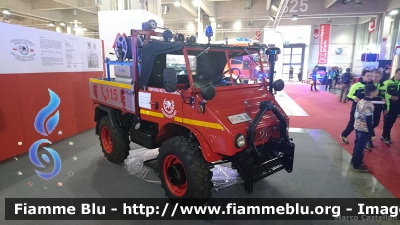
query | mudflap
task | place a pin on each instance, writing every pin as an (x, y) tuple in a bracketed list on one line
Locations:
[(258, 162)]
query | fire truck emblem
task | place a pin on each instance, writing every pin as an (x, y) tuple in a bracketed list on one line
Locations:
[(168, 109)]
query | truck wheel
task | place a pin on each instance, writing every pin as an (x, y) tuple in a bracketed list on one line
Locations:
[(113, 141), (183, 171)]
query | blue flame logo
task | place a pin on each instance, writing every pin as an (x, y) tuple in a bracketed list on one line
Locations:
[(51, 124), (45, 112)]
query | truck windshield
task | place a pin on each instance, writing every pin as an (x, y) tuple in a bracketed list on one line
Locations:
[(210, 67)]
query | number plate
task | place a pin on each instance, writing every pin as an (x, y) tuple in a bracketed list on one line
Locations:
[(239, 118)]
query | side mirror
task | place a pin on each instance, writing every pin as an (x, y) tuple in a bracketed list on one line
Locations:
[(170, 80)]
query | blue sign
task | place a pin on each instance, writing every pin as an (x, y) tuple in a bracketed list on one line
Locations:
[(45, 130)]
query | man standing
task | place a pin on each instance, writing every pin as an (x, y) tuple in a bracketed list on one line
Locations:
[(291, 70), (386, 74), (378, 108), (356, 94), (300, 75), (335, 78), (392, 106), (344, 89), (314, 78), (330, 75)]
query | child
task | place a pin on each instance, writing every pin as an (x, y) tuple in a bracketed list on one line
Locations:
[(363, 125)]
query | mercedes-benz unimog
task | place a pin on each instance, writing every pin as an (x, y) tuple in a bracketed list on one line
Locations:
[(176, 96)]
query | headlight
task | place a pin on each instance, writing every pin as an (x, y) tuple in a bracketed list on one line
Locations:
[(240, 141)]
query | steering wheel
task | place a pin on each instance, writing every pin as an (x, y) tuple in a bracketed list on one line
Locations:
[(226, 71)]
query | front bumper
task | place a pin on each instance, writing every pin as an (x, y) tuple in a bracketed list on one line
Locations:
[(258, 162)]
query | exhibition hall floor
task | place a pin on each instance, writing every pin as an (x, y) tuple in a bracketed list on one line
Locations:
[(321, 168)]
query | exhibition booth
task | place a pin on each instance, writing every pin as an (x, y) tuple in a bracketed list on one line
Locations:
[(33, 64)]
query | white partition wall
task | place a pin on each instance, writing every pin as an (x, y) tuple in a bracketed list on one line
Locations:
[(292, 35), (113, 22)]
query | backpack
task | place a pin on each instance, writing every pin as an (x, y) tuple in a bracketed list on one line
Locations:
[(346, 78)]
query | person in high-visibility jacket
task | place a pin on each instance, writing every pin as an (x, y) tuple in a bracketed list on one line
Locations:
[(356, 93), (392, 106), (378, 108)]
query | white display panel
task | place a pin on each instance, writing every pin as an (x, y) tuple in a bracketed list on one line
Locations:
[(113, 22), (30, 50)]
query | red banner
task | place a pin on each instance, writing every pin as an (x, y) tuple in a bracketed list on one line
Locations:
[(258, 35), (316, 33), (325, 34), (372, 25)]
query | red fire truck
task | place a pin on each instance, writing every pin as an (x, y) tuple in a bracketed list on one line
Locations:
[(195, 115)]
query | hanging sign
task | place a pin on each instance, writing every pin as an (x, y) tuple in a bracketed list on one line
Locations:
[(316, 33), (372, 25), (325, 34), (258, 35)]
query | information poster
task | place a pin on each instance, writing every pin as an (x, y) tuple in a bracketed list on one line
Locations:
[(29, 50)]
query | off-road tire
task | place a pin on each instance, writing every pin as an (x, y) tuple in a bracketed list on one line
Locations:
[(197, 170), (120, 141)]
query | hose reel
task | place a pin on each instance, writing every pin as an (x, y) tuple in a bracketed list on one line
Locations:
[(123, 47)]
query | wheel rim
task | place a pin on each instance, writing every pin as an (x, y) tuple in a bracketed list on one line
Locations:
[(106, 139), (175, 175)]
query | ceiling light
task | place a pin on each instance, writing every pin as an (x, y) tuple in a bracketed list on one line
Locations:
[(62, 24), (346, 1), (273, 7), (237, 25), (358, 3), (84, 29), (219, 25), (295, 17), (196, 3), (190, 27), (51, 24), (6, 11), (177, 3), (248, 4), (394, 12), (212, 19), (165, 9)]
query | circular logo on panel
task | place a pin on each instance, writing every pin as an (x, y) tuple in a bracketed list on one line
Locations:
[(23, 50), (168, 108)]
